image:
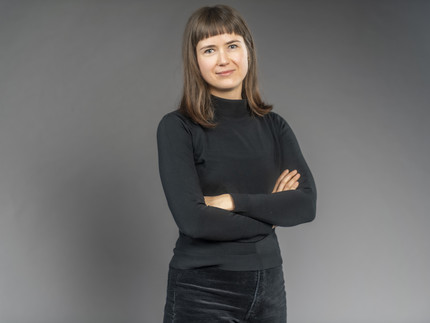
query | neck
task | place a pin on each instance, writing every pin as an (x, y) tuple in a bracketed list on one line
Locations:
[(230, 108), (235, 94)]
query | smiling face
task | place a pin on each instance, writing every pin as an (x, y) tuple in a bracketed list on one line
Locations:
[(223, 64)]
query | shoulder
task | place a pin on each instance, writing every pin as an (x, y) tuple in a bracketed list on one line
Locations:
[(175, 119), (277, 120)]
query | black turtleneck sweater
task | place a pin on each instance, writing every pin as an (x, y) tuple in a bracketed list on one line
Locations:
[(243, 156)]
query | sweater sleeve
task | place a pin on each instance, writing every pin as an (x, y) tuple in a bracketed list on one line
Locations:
[(286, 208), (184, 196)]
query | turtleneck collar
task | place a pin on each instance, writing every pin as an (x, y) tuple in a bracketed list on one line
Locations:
[(227, 108)]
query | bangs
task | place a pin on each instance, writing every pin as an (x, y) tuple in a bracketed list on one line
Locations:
[(215, 22)]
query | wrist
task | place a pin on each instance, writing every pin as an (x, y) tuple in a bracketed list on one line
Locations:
[(230, 202)]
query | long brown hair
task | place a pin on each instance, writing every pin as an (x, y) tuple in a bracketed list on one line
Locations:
[(203, 23)]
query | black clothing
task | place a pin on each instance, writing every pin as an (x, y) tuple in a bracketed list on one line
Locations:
[(243, 156), (213, 295)]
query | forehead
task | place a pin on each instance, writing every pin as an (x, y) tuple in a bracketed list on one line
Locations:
[(219, 39)]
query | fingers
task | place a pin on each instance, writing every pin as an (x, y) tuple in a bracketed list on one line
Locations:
[(288, 181), (284, 173)]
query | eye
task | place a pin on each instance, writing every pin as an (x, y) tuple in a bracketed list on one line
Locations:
[(208, 51), (233, 46)]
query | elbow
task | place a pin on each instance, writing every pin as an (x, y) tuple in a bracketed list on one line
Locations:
[(310, 208), (194, 233), (312, 211), (191, 227), (200, 233), (304, 214), (191, 230), (311, 214)]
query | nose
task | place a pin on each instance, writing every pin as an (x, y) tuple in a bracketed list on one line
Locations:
[(223, 58)]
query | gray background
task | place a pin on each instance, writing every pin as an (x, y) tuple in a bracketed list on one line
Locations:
[(85, 231)]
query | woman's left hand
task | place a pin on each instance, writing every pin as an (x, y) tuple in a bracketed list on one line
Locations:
[(223, 201)]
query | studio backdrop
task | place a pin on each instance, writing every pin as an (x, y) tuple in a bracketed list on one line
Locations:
[(85, 231)]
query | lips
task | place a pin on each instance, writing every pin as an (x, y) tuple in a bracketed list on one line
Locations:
[(225, 73)]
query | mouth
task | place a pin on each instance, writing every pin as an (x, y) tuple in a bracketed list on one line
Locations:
[(225, 73)]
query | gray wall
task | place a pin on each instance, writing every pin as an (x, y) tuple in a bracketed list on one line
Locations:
[(85, 231)]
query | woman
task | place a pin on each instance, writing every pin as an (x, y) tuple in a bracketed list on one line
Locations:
[(229, 168)]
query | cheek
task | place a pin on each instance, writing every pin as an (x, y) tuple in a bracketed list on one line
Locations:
[(242, 61), (205, 66)]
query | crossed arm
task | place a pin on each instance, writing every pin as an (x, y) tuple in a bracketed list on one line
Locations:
[(231, 216), (286, 181)]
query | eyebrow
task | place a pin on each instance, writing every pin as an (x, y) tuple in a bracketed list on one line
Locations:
[(227, 43)]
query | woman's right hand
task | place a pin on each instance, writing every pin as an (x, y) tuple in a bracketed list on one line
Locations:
[(286, 181)]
